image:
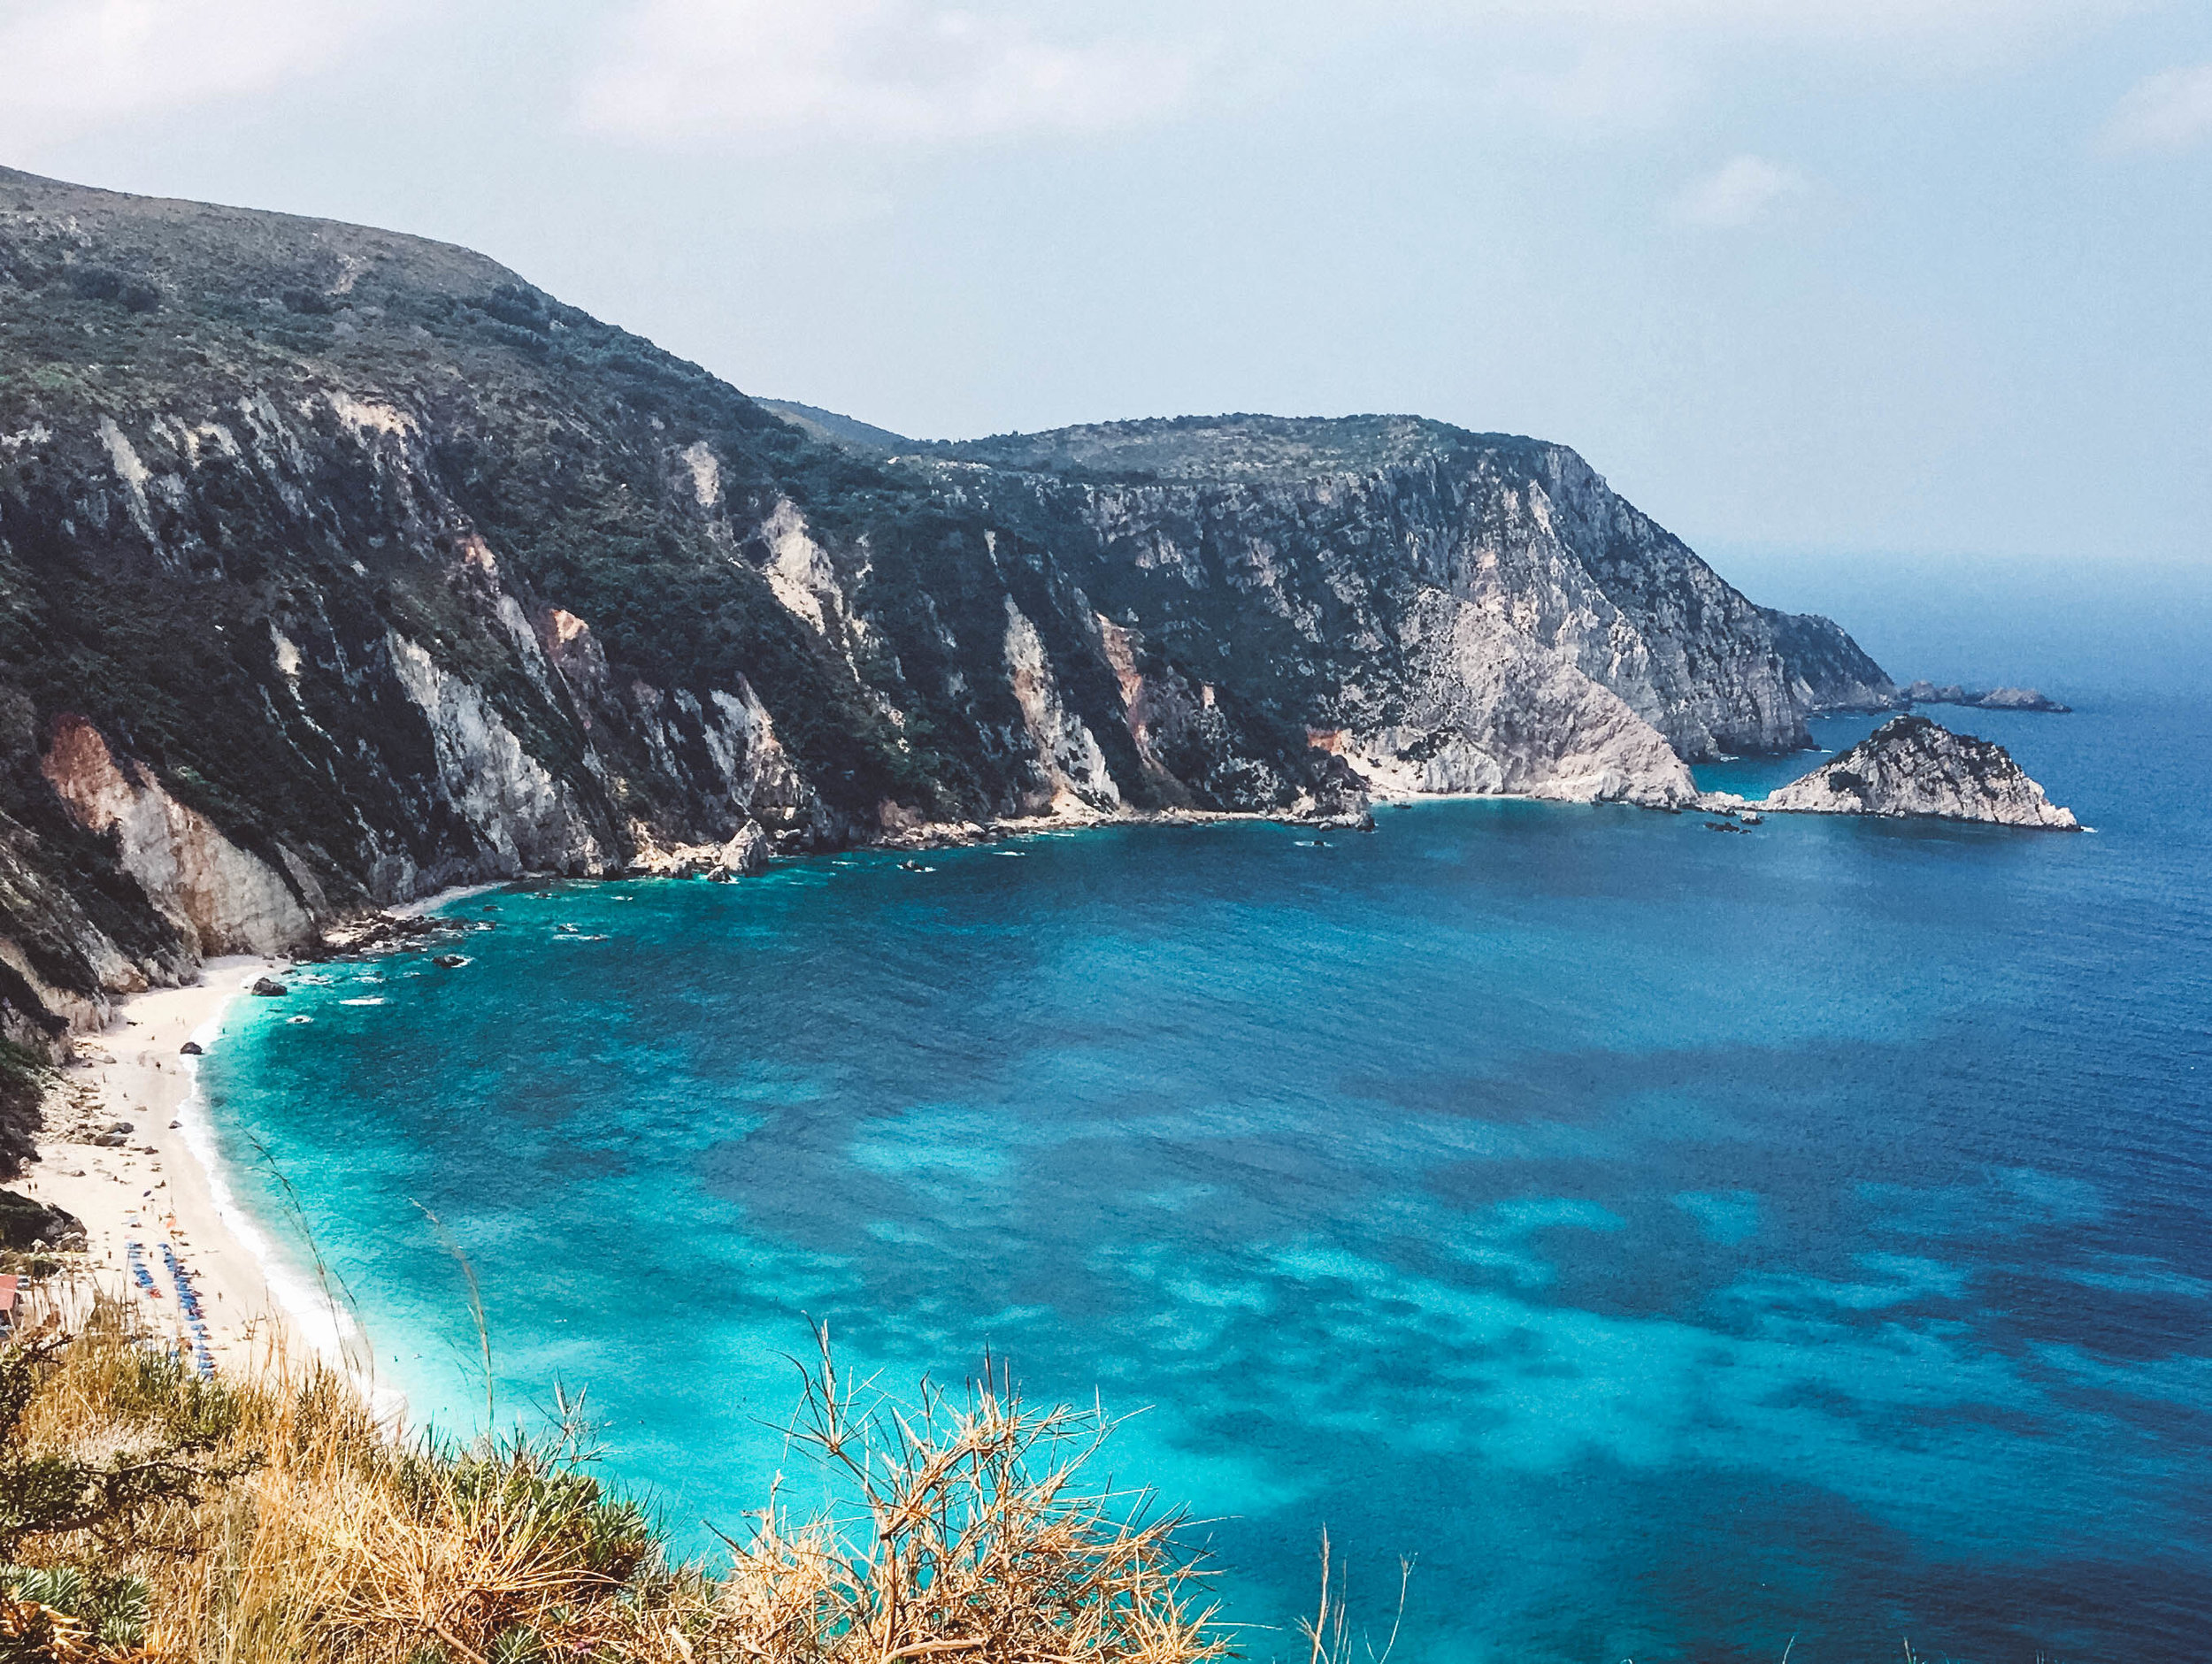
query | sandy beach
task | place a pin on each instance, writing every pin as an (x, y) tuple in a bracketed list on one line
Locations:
[(154, 1190)]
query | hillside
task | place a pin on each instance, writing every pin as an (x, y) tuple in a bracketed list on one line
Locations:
[(338, 565)]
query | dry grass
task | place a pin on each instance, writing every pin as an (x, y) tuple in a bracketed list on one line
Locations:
[(290, 1530), (973, 1538), (1329, 1630)]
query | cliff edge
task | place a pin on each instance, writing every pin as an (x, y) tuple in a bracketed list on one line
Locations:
[(337, 566)]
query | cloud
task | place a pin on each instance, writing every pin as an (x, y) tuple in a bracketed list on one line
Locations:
[(1819, 20), (1602, 92), (783, 74), (1738, 192), (75, 67), (776, 72), (2169, 112)]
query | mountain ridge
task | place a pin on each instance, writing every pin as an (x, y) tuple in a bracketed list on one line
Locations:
[(338, 565)]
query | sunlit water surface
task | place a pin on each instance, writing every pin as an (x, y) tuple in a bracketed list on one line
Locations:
[(1678, 1241)]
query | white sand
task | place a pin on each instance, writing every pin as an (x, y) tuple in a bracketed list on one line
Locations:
[(137, 1069)]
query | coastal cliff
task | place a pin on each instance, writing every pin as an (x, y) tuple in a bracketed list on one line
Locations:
[(1911, 766), (337, 566)]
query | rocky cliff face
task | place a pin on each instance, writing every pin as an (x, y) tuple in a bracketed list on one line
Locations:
[(1498, 584), (337, 565), (1911, 766), (1828, 671)]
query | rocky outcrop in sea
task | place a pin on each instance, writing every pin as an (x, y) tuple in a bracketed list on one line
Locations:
[(1983, 698), (341, 566), (1911, 766)]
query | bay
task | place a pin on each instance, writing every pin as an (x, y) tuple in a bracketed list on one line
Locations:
[(1676, 1242)]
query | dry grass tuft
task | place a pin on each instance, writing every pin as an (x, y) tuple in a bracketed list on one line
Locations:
[(975, 1541), (289, 1530)]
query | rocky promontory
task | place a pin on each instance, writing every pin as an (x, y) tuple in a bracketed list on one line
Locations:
[(1911, 766)]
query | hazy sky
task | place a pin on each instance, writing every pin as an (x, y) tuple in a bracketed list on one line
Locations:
[(1918, 276)]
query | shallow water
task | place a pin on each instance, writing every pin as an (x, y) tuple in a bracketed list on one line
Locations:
[(1678, 1241)]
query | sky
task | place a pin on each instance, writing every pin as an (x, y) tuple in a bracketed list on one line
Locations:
[(1925, 281)]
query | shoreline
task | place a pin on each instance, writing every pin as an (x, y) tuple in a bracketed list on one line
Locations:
[(166, 1185), (170, 1185)]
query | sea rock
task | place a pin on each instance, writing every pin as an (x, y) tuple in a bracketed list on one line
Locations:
[(191, 1048), (747, 852), (269, 988), (2020, 699), (1983, 699), (1911, 766), (676, 860), (359, 935), (449, 962)]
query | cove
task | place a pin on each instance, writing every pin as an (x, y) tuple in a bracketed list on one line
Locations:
[(1676, 1242)]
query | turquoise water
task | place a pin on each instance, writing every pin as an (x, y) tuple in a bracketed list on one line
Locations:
[(1679, 1241)]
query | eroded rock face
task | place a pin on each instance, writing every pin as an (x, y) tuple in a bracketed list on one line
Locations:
[(27, 1222), (223, 900), (1912, 766), (1322, 554), (349, 566), (1485, 711)]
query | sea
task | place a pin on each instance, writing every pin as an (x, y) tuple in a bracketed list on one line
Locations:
[(1627, 1241)]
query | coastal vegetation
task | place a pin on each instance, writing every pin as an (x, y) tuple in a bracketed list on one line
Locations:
[(148, 1514)]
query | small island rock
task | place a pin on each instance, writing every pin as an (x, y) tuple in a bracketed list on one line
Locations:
[(269, 988), (1911, 766), (747, 852), (1984, 698)]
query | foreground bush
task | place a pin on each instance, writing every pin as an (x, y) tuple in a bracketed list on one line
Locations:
[(148, 1515)]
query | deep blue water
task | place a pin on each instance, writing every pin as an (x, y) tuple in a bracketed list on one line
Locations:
[(1679, 1241)]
